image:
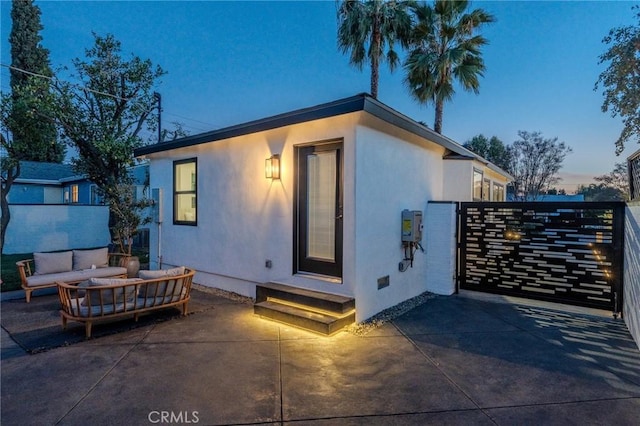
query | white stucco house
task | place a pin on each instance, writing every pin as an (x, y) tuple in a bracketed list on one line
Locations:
[(329, 217)]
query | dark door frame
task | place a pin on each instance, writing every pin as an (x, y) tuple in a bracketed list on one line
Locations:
[(301, 262)]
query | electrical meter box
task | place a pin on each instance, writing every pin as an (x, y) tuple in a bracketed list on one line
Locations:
[(156, 196), (411, 226)]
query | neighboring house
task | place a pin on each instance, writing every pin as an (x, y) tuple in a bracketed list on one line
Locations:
[(49, 183), (329, 216), (55, 183)]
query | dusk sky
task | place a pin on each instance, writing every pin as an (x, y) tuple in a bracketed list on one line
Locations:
[(232, 62)]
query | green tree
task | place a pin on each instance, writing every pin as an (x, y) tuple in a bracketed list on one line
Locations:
[(366, 27), (621, 80), (617, 180), (32, 137), (535, 163), (600, 192), (29, 137), (102, 117), (492, 149), (444, 49)]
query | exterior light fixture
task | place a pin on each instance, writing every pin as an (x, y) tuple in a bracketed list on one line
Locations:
[(272, 167)]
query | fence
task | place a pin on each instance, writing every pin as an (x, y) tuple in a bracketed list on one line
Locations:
[(50, 227), (633, 167), (563, 252)]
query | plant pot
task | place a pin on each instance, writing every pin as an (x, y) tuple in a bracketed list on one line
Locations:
[(133, 266)]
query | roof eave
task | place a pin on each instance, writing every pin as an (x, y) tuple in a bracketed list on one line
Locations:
[(360, 102), (342, 106)]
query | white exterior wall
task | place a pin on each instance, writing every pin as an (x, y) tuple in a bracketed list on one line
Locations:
[(37, 228), (458, 180), (440, 234), (631, 279), (391, 175), (244, 218)]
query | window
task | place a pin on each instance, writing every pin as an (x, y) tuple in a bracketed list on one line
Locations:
[(74, 193), (498, 192), (184, 192), (477, 184), (96, 195), (486, 186)]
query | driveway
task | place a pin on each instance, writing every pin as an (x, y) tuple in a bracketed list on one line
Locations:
[(453, 360)]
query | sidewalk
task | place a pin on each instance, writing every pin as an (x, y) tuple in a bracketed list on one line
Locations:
[(453, 360)]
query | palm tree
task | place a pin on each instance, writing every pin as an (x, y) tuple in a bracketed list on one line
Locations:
[(365, 27), (443, 47)]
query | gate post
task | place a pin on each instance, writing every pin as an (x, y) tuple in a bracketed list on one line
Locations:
[(441, 246)]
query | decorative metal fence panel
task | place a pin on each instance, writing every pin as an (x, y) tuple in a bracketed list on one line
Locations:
[(633, 166), (569, 253)]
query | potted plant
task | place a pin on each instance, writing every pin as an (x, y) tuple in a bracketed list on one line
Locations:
[(126, 216)]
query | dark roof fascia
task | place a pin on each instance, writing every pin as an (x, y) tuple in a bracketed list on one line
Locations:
[(360, 102), (342, 106), (398, 119), (458, 157)]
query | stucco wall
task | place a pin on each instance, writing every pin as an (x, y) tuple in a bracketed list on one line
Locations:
[(391, 175), (56, 227), (245, 219), (631, 297), (458, 180)]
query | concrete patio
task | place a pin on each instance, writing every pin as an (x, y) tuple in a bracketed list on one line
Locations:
[(453, 360)]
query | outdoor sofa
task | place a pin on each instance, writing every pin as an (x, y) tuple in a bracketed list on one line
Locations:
[(104, 299), (71, 266)]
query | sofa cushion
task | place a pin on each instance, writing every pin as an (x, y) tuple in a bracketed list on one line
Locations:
[(109, 271), (52, 263), (75, 276), (162, 288), (146, 302), (107, 294), (77, 308), (86, 259)]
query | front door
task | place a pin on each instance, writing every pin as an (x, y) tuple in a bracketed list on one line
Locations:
[(318, 209)]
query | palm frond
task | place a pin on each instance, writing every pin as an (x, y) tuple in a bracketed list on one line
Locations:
[(444, 48)]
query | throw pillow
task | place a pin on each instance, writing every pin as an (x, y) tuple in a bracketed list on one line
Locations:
[(51, 263), (160, 289), (109, 295), (161, 273), (85, 259)]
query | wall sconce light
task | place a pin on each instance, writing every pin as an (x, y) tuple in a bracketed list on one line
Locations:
[(272, 167)]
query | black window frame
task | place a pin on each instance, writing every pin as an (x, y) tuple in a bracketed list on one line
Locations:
[(176, 193)]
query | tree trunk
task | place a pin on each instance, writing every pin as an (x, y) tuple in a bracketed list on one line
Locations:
[(6, 217), (437, 126), (376, 41), (12, 174), (374, 78)]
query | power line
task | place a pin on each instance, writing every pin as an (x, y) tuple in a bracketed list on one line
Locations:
[(191, 119), (55, 79), (10, 67)]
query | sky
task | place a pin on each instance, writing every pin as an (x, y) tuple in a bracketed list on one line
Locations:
[(232, 62)]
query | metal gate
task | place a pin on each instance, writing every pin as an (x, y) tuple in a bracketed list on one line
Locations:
[(569, 253)]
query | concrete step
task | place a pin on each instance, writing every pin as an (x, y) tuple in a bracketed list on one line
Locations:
[(310, 310), (315, 300)]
